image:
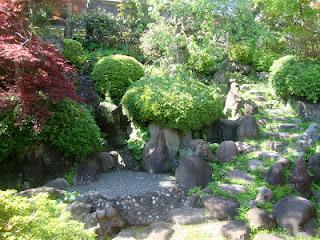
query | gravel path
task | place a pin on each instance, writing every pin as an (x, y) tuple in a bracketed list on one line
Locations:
[(122, 183)]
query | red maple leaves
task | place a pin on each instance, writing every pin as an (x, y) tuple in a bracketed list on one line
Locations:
[(32, 73)]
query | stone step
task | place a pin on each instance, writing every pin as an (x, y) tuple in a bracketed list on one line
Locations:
[(232, 189), (282, 135), (288, 126), (240, 175), (277, 146)]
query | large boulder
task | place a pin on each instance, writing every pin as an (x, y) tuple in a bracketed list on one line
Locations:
[(276, 174), (155, 155), (85, 173), (193, 172), (87, 91), (223, 130), (235, 230), (226, 151), (261, 219), (293, 213), (201, 149), (314, 166), (248, 127), (221, 208), (58, 183), (300, 178), (124, 160), (160, 152)]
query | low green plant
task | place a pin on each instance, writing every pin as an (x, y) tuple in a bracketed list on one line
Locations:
[(37, 218), (293, 77), (72, 130), (15, 137), (73, 52), (241, 53), (137, 140), (214, 147), (114, 74), (69, 176), (175, 102)]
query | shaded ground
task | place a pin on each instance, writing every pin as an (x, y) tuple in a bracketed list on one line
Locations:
[(122, 183)]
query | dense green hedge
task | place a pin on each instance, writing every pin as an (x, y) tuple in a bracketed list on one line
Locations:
[(37, 218), (264, 58), (72, 130), (172, 102), (114, 74), (291, 76), (73, 52)]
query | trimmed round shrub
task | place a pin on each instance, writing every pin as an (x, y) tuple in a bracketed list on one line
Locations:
[(114, 74), (72, 130), (292, 77), (241, 53), (73, 52), (172, 102)]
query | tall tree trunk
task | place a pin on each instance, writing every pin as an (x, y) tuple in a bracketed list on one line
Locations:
[(68, 29)]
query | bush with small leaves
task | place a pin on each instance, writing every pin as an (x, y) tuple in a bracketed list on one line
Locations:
[(37, 218), (264, 58), (241, 53), (72, 130), (114, 74), (172, 102), (293, 77), (73, 52)]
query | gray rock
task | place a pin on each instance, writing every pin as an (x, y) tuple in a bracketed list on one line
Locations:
[(155, 155), (87, 91), (250, 107), (241, 68), (193, 172), (221, 208), (235, 230), (277, 146), (300, 178), (293, 213), (52, 192), (104, 161), (185, 138), (202, 149), (58, 183), (312, 133), (314, 166), (79, 211), (266, 236), (248, 127), (159, 231), (223, 130), (240, 175), (124, 160), (125, 235), (172, 140), (276, 174), (232, 188), (311, 227), (194, 201), (269, 155), (301, 145), (261, 219), (264, 194), (306, 109), (226, 151), (244, 148), (85, 174), (288, 126), (282, 135), (255, 165), (186, 216)]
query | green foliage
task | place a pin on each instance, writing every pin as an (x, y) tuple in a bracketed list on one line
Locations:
[(137, 140), (204, 58), (73, 52), (263, 59), (291, 76), (214, 147), (72, 130), (172, 102), (14, 138), (114, 74), (37, 218), (241, 53), (69, 175)]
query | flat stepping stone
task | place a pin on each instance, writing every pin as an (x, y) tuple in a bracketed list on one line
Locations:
[(240, 175), (277, 146), (236, 230), (282, 135), (260, 219), (255, 165), (158, 231), (232, 188), (125, 235), (288, 126), (221, 208), (269, 155), (186, 216)]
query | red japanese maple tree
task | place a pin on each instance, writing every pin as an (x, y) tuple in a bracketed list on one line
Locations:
[(32, 72)]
